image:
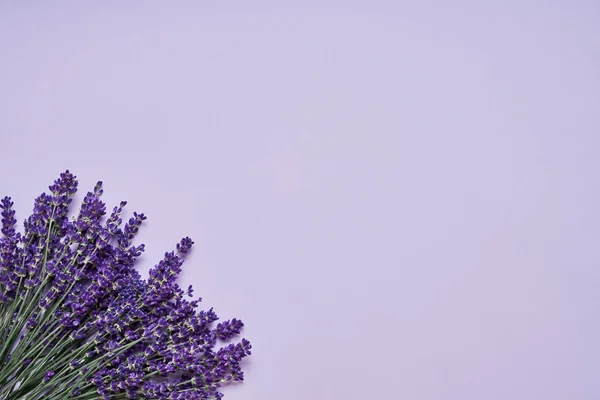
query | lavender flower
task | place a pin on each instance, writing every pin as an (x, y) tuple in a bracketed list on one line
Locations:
[(77, 321)]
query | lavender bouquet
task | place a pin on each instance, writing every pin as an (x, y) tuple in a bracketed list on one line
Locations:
[(78, 322)]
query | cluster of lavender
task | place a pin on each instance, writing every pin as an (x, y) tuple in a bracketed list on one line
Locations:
[(78, 322)]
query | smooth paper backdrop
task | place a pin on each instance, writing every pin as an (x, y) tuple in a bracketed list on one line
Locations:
[(400, 198)]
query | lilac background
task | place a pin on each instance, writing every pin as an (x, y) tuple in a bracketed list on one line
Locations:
[(401, 201)]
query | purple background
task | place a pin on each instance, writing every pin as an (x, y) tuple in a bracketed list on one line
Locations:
[(401, 201)]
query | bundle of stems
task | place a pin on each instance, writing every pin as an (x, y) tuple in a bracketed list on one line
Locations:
[(78, 322)]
